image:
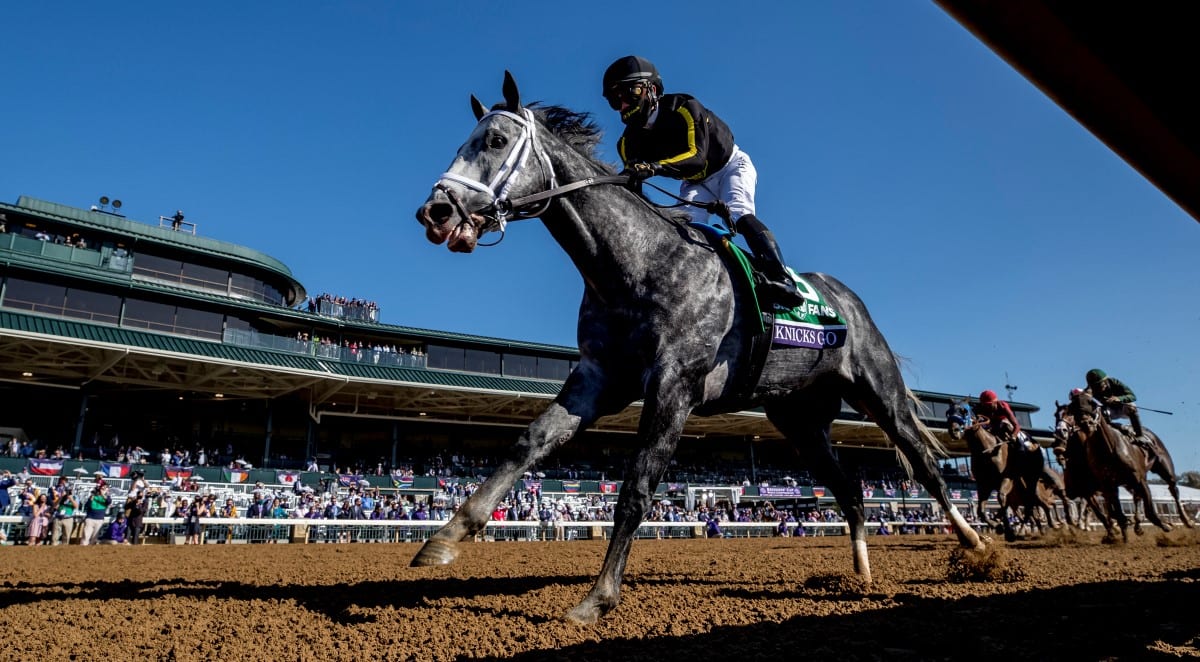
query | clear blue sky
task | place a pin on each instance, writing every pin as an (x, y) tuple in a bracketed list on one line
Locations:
[(987, 231)]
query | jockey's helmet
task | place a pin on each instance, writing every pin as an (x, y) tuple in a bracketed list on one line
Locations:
[(632, 85), (1095, 376), (987, 397)]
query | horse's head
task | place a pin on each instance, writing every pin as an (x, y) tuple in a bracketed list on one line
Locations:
[(501, 158), (979, 439)]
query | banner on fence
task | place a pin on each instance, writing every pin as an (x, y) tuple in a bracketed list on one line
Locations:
[(235, 475), (45, 467), (608, 487), (114, 470), (288, 478), (570, 486), (171, 473)]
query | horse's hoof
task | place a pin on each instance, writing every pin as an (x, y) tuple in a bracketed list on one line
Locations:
[(435, 552), (587, 612)]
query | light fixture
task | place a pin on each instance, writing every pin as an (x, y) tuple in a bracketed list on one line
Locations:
[(116, 204), (422, 414), (219, 395), (27, 374)]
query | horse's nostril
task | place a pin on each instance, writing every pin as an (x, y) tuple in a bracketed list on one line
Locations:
[(440, 213)]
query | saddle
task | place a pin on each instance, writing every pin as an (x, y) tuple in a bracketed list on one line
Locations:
[(814, 325)]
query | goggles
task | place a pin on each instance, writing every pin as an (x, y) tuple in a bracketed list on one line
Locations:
[(628, 93)]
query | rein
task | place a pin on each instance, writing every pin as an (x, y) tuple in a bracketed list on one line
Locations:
[(501, 209)]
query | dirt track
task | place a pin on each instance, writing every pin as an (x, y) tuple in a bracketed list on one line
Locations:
[(683, 600)]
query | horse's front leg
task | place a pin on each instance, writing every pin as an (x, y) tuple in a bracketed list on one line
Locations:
[(1002, 495), (572, 411), (661, 423)]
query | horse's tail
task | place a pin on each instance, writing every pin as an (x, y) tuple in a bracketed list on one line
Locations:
[(934, 444)]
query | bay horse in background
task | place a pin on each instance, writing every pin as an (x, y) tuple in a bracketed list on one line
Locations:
[(1098, 458), (1014, 475), (663, 320), (1158, 459)]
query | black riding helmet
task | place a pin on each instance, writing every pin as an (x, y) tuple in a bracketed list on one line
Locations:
[(629, 79)]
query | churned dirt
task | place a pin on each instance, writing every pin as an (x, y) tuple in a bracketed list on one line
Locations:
[(1059, 597)]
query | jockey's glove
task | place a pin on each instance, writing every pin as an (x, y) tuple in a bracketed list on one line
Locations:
[(642, 171)]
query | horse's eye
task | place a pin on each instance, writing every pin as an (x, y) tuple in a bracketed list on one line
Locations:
[(497, 142)]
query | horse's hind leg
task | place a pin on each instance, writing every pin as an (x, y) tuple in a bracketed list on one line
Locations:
[(893, 413), (1173, 487), (808, 429), (571, 412)]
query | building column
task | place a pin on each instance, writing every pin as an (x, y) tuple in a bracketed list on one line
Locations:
[(83, 406), (267, 444)]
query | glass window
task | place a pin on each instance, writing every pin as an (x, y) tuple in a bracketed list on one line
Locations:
[(272, 295), (517, 365), (94, 306), (446, 358), (1024, 419), (157, 267), (201, 323), (206, 277), (149, 315), (935, 410), (482, 361), (29, 295), (558, 369)]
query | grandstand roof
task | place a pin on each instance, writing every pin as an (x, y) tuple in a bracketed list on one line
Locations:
[(1123, 71)]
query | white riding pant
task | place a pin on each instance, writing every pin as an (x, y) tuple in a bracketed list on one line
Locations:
[(733, 184)]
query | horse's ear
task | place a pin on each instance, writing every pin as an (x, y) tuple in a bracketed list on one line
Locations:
[(478, 108), (512, 97)]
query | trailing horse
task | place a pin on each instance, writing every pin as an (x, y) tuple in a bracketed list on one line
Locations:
[(663, 320), (1158, 459), (1014, 475), (1098, 458)]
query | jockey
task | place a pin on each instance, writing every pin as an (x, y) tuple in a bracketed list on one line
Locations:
[(1117, 398), (675, 136), (1001, 419)]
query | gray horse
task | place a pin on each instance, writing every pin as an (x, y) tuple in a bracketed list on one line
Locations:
[(663, 320)]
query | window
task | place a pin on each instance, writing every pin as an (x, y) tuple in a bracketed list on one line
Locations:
[(517, 365), (446, 358), (149, 315), (206, 277), (558, 369), (482, 361), (30, 295), (93, 306), (200, 323), (158, 267)]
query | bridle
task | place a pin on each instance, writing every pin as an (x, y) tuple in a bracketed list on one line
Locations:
[(500, 209)]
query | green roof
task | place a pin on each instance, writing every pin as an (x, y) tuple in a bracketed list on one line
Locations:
[(102, 221), (78, 330)]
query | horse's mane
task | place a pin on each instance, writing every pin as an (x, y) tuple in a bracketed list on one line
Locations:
[(577, 129)]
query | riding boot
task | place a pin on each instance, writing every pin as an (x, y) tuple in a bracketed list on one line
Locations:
[(1135, 420), (779, 284)]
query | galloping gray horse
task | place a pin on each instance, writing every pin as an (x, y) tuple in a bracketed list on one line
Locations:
[(663, 320)]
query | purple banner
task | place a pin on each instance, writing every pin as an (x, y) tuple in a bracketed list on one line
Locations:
[(799, 334)]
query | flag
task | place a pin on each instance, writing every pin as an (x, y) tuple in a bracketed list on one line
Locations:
[(608, 487), (402, 482), (818, 492), (235, 475), (177, 472), (570, 486), (889, 491), (114, 470), (288, 478), (914, 493), (533, 485), (955, 494), (349, 480), (868, 494), (45, 467)]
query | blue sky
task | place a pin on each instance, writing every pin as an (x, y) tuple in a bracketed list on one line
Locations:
[(987, 231)]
